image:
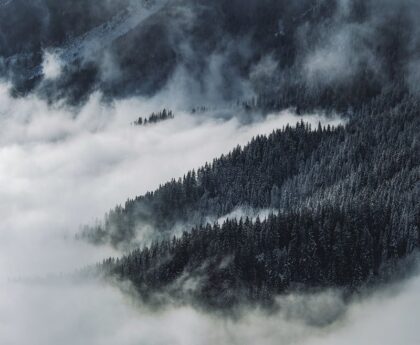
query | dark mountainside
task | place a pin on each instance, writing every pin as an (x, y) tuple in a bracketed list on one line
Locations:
[(345, 200), (376, 151), (348, 209), (326, 53)]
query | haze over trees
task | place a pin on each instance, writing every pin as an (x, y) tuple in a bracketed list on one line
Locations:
[(344, 202), (195, 172)]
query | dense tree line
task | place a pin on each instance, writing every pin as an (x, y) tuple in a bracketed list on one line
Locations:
[(245, 261), (246, 176), (376, 153), (352, 98), (345, 201), (155, 118)]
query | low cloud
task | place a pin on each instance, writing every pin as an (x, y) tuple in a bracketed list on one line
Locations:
[(247, 212), (61, 167), (51, 65), (65, 312), (344, 53)]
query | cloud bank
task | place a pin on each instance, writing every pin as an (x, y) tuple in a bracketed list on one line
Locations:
[(62, 167), (67, 312)]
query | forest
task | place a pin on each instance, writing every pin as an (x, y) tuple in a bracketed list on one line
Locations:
[(344, 207), (195, 172), (155, 118)]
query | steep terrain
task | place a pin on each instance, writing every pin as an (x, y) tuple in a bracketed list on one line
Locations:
[(343, 202), (344, 210), (324, 49)]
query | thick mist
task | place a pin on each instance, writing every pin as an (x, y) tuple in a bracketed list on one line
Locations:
[(69, 152), (62, 167), (65, 312)]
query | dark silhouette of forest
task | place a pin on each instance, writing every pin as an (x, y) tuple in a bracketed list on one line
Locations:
[(345, 204), (155, 118)]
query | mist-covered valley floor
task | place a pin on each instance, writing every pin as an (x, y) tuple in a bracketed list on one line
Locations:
[(66, 312), (59, 171)]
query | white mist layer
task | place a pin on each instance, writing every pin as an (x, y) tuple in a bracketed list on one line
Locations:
[(51, 65), (247, 212), (94, 314), (59, 169)]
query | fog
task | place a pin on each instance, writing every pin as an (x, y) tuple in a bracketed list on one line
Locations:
[(61, 168), (91, 313)]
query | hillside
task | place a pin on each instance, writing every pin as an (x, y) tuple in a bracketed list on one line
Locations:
[(344, 206), (223, 51)]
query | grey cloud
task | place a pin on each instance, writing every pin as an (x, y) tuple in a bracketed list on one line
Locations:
[(93, 313), (62, 167)]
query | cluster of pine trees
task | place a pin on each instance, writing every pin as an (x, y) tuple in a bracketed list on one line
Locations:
[(220, 266), (347, 202), (155, 118), (246, 176)]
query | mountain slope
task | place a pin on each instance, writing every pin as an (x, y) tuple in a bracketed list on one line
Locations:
[(224, 50), (290, 168), (345, 212)]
